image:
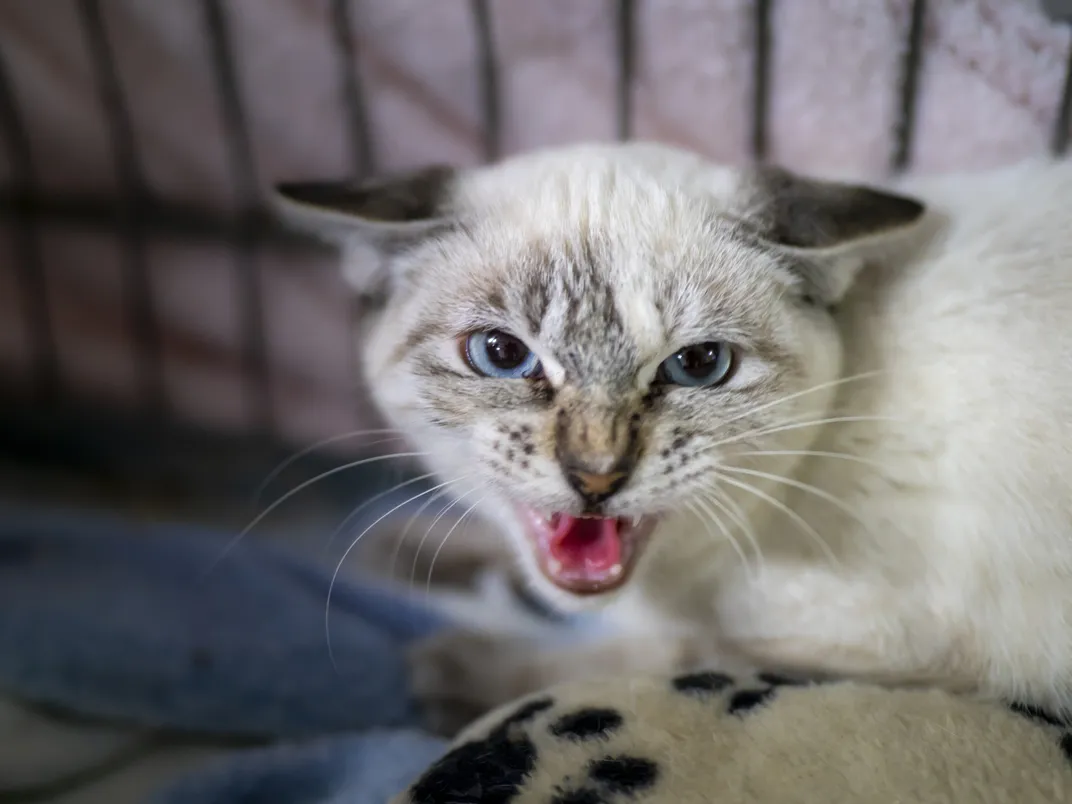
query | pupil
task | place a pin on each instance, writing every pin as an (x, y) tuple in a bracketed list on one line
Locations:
[(697, 361), (505, 352)]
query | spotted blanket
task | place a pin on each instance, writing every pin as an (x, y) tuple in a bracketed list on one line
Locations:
[(708, 738)]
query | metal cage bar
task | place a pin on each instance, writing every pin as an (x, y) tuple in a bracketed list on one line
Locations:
[(353, 95), (1063, 123), (488, 78), (626, 53), (761, 53), (244, 177), (30, 266), (129, 209), (908, 90)]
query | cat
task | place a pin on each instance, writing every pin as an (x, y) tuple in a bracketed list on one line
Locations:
[(757, 417)]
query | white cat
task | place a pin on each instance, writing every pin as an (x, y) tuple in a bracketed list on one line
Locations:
[(804, 425)]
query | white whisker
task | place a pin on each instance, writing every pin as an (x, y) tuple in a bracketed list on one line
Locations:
[(813, 389), (428, 532), (845, 456), (374, 498), (789, 512), (442, 544), (297, 489), (400, 540), (297, 456), (814, 490), (346, 553), (701, 504), (770, 430), (742, 525)]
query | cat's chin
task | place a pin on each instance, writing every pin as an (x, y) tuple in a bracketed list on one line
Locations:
[(586, 555)]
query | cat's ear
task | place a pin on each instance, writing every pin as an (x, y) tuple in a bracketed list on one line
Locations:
[(373, 221), (828, 224)]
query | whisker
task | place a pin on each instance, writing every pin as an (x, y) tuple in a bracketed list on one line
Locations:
[(736, 513), (374, 498), (401, 538), (428, 532), (815, 490), (297, 489), (297, 456), (770, 430), (865, 375), (845, 456), (701, 504), (346, 553), (789, 512), (442, 544), (741, 525)]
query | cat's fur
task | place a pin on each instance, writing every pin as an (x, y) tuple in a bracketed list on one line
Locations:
[(930, 539)]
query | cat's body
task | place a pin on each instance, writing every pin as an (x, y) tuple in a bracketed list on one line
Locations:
[(929, 533)]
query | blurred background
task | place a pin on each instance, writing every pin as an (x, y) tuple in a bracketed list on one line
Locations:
[(165, 346)]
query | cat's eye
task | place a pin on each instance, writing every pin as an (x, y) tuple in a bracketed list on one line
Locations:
[(501, 355), (702, 365)]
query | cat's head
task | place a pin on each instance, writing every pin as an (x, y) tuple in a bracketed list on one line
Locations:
[(590, 341)]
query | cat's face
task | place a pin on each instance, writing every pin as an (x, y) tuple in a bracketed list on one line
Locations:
[(590, 342)]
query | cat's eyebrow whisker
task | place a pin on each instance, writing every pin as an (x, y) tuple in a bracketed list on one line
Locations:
[(353, 544), (442, 544), (865, 375), (808, 487), (789, 512), (297, 489), (762, 453), (714, 519), (297, 456), (738, 518), (428, 532), (374, 498)]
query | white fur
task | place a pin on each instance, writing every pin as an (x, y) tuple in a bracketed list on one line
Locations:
[(946, 554)]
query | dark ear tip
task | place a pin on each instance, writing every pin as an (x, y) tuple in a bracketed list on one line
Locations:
[(314, 193)]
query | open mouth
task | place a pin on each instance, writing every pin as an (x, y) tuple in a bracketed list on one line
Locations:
[(586, 555)]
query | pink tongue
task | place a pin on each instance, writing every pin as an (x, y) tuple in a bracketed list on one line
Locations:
[(586, 545)]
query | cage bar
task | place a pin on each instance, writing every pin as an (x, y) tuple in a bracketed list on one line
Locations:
[(626, 53), (244, 177), (30, 266), (353, 97), (487, 78), (1063, 121), (128, 209), (761, 51), (904, 127)]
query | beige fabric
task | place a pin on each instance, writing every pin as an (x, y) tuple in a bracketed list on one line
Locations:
[(832, 744)]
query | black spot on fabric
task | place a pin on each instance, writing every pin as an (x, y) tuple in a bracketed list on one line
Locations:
[(1066, 745), (488, 771), (584, 724), (1037, 713), (776, 680), (624, 774), (585, 795), (526, 712), (746, 700), (702, 682)]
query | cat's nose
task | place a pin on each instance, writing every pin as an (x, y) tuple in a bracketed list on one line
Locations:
[(595, 486)]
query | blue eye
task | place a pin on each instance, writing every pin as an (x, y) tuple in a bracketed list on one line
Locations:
[(501, 355), (702, 365)]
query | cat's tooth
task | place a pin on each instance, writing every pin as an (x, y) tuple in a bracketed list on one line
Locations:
[(554, 566), (636, 521), (615, 571)]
